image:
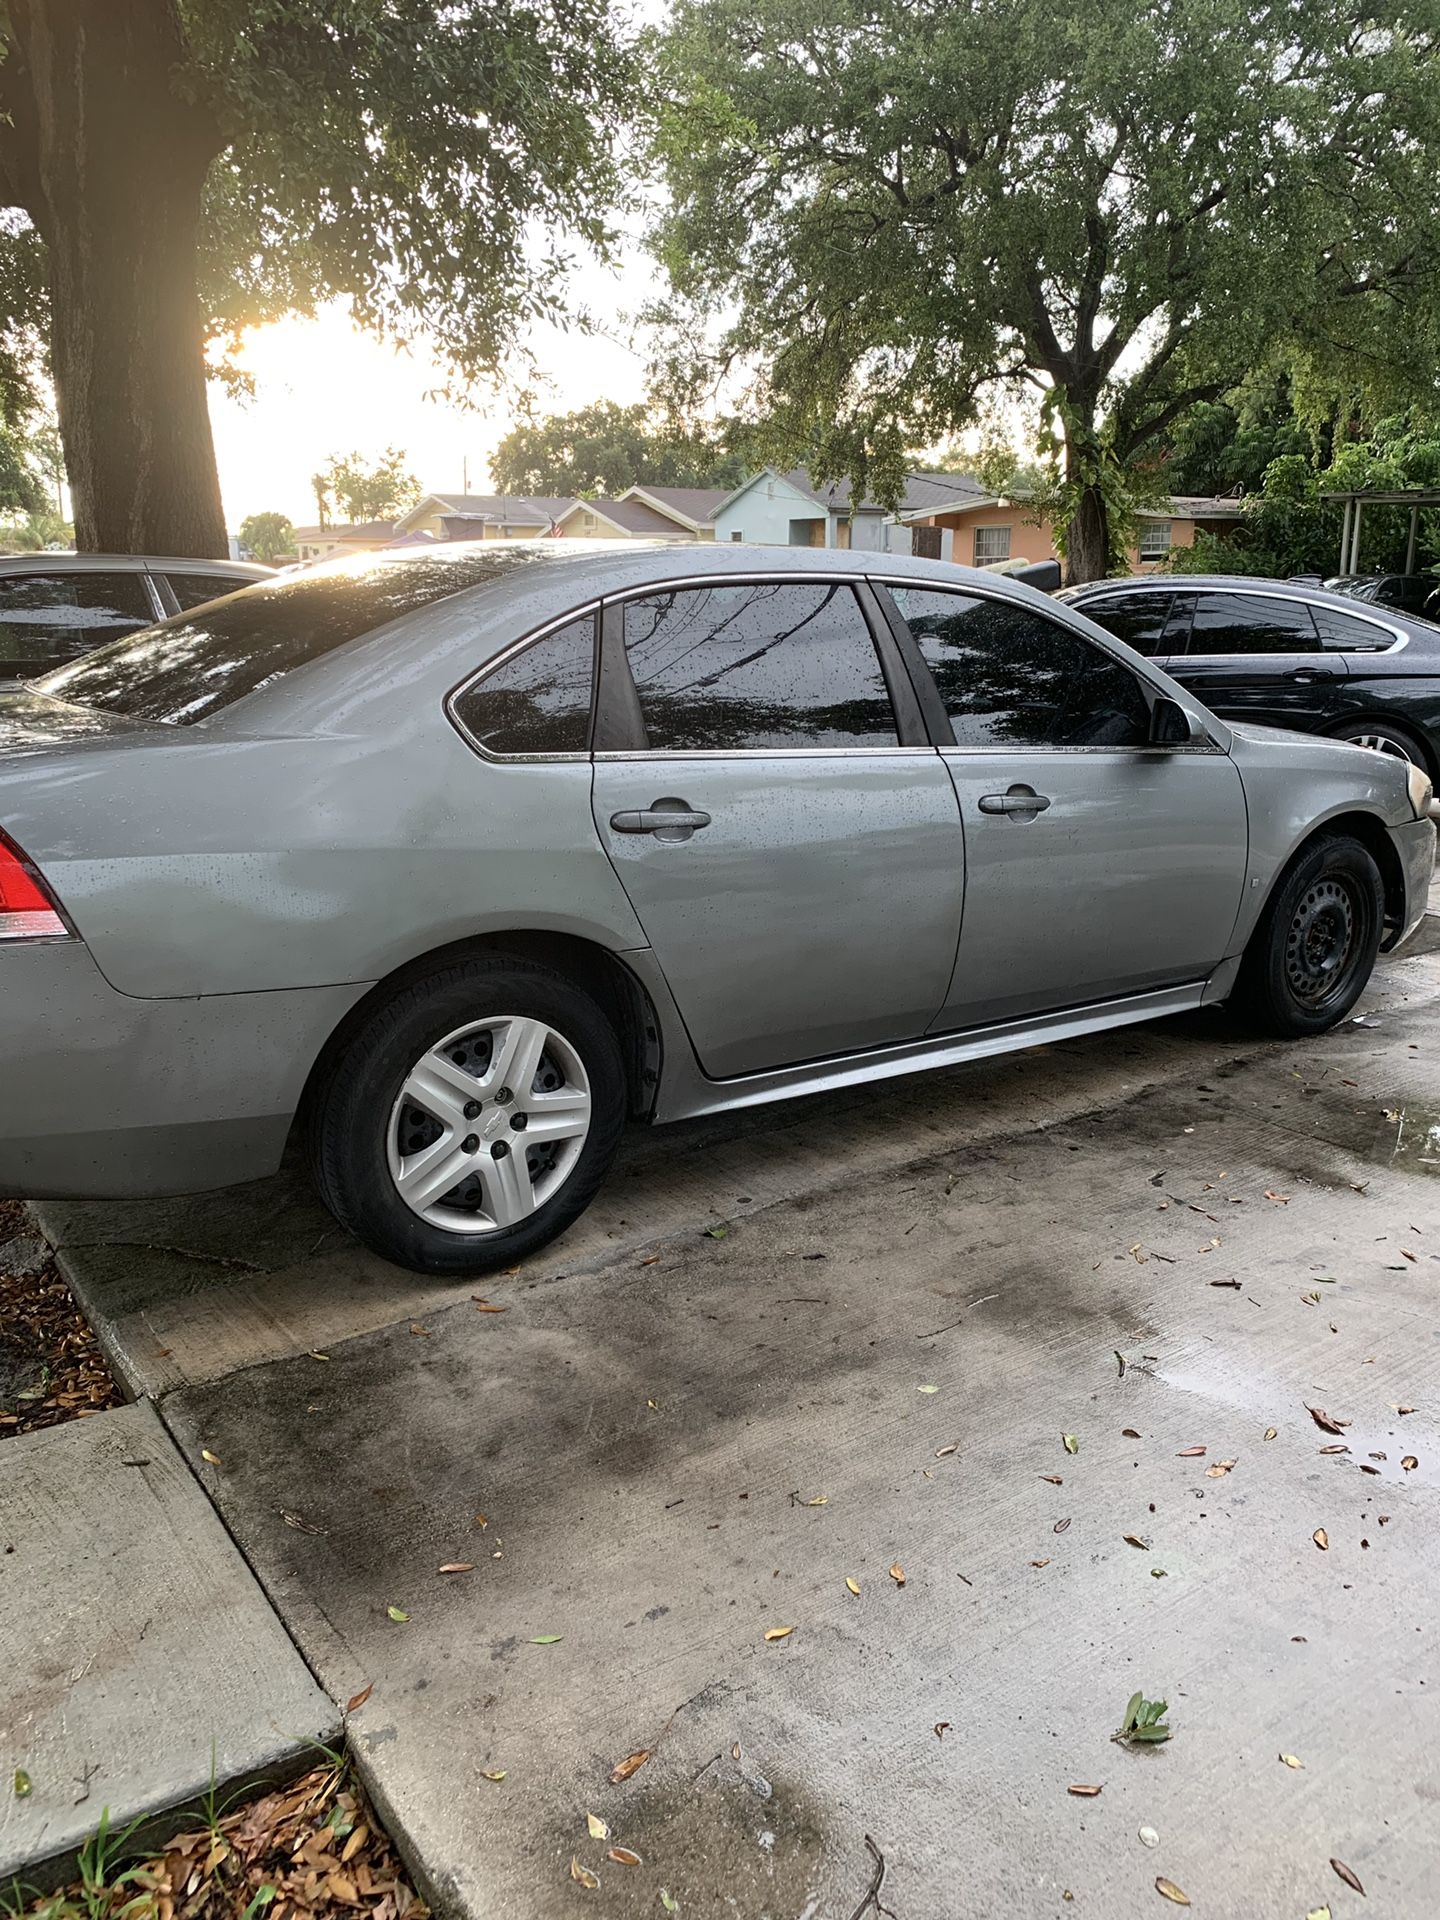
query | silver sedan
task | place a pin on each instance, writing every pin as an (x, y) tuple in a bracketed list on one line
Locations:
[(451, 862)]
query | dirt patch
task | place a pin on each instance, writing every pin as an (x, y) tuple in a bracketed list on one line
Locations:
[(51, 1366), (313, 1848)]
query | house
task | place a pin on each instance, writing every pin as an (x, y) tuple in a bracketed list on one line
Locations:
[(775, 509), (320, 543), (483, 516), (644, 513), (989, 529)]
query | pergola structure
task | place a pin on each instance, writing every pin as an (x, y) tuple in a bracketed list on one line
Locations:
[(1355, 503)]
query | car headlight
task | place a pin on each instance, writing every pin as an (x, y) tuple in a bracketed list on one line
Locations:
[(1421, 789)]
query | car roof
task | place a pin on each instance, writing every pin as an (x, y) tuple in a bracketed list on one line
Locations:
[(1411, 624), (88, 562)]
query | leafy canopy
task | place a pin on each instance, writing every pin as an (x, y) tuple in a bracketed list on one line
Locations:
[(888, 208), (364, 489), (605, 448), (269, 536)]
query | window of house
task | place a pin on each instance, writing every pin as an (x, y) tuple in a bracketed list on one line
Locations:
[(1251, 623), (807, 533), (991, 543), (48, 618), (1156, 539), (766, 666), (537, 701), (737, 535), (1010, 678), (925, 543)]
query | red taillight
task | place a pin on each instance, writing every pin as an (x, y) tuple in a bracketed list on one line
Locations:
[(27, 907)]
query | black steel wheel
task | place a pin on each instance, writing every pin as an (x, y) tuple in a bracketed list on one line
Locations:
[(1311, 955)]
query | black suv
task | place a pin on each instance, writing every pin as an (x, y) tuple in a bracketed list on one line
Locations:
[(1285, 655)]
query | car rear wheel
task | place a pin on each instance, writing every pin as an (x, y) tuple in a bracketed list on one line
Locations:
[(1387, 736), (471, 1118), (1312, 954)]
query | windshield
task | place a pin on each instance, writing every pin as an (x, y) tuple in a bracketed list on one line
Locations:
[(192, 665)]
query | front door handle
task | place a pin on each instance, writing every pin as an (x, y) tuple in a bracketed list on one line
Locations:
[(667, 819), (1021, 800)]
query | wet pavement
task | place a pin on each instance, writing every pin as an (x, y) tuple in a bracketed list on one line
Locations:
[(842, 1342)]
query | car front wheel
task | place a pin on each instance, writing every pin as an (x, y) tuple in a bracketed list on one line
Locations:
[(1312, 954), (472, 1118)]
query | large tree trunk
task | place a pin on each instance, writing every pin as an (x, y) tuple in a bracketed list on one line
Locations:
[(110, 162), (1087, 539)]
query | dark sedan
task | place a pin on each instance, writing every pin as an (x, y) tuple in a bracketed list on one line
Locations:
[(1284, 654)]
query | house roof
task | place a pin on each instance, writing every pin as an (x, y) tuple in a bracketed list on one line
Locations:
[(1204, 506), (346, 531), (631, 516), (694, 505), (922, 493), (523, 510)]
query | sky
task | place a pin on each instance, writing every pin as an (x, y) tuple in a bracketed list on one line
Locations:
[(322, 386)]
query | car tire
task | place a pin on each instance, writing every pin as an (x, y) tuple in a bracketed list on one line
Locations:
[(1389, 737), (1312, 954), (415, 1096)]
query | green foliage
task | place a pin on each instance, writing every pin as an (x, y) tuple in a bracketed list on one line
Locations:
[(887, 209), (605, 448), (363, 489), (1144, 1721), (269, 536)]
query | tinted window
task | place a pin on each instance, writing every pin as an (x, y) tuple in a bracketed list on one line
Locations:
[(194, 589), (193, 664), (1010, 678), (1136, 618), (46, 618), (755, 667), (1251, 623), (538, 701), (1343, 630)]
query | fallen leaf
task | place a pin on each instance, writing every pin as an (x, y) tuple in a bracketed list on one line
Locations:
[(316, 1355), (597, 1827), (1405, 1254), (716, 1233), (23, 1784), (1039, 1563), (582, 1875), (1129, 1433), (943, 1453), (1291, 1761), (897, 1574), (458, 1566), (668, 1901), (1327, 1422), (632, 1763), (1348, 1875), (1060, 1526), (942, 1727), (1271, 1432), (1052, 1479), (420, 1332), (1134, 1540), (623, 1857), (853, 1585), (1282, 1199), (1158, 1573), (213, 1458), (1084, 1792), (1219, 1470), (820, 1500), (300, 1523), (1335, 1446), (486, 1306), (546, 1639), (1171, 1891), (1321, 1539), (1410, 1463), (1119, 1362), (398, 1614), (1072, 1442), (927, 1389), (357, 1700), (778, 1633), (497, 1774), (1318, 1913), (1190, 1453), (1226, 1283)]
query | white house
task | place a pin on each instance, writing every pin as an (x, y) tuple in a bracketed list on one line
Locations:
[(775, 509)]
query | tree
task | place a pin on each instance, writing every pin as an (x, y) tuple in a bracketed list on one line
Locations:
[(189, 167), (894, 207), (605, 448), (269, 536), (365, 490)]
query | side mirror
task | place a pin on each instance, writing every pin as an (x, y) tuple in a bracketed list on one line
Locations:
[(1170, 724)]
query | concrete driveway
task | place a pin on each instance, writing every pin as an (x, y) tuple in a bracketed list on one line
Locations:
[(842, 1342)]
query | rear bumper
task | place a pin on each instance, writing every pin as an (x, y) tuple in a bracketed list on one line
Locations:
[(1415, 844), (105, 1096)]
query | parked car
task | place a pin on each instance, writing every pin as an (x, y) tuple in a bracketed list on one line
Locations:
[(1285, 654), (450, 861), (1406, 592), (55, 606)]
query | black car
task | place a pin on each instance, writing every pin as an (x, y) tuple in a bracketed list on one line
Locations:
[(1285, 655), (1405, 592)]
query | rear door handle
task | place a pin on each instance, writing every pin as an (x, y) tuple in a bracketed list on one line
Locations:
[(1307, 674), (1016, 800), (676, 820)]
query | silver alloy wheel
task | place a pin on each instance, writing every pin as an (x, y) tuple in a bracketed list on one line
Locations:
[(1383, 743), (488, 1124)]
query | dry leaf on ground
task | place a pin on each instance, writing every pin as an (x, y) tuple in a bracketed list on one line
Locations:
[(1171, 1891), (582, 1876), (1327, 1421), (778, 1633), (632, 1763), (1321, 1539), (1348, 1875)]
